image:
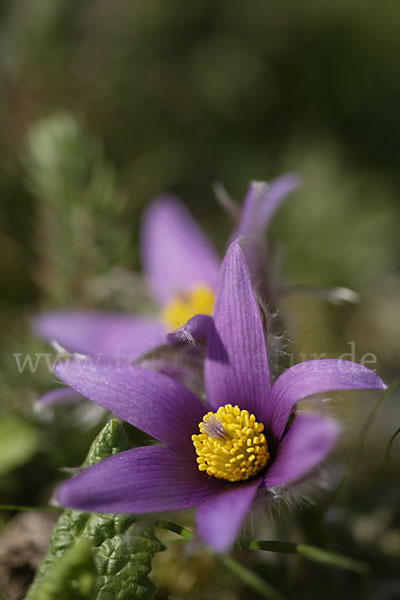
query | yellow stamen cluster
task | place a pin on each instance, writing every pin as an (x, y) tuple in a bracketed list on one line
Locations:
[(197, 300), (231, 444)]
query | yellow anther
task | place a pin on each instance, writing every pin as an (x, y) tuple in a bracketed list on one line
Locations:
[(231, 444), (197, 300)]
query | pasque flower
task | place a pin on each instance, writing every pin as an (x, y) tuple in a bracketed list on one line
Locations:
[(219, 454), (181, 268)]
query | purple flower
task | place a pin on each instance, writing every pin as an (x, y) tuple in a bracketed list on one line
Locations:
[(220, 454), (181, 268)]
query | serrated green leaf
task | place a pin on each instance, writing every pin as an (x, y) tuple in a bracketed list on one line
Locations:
[(122, 548), (110, 441), (124, 562)]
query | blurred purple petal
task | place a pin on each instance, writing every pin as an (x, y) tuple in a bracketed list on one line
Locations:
[(278, 190), (220, 518), (263, 200), (101, 333), (187, 375), (315, 377), (153, 402), (58, 397), (249, 221), (182, 362), (230, 207), (305, 445), (176, 254), (255, 251), (236, 367), (142, 480), (195, 330)]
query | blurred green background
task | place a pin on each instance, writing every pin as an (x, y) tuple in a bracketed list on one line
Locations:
[(105, 104)]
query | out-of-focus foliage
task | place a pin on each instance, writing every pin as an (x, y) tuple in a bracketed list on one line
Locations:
[(104, 104), (72, 577), (81, 230), (18, 442)]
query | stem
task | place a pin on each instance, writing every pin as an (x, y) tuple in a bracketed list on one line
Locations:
[(382, 466), (357, 453), (312, 553), (258, 584), (175, 528), (250, 578), (369, 423), (28, 508)]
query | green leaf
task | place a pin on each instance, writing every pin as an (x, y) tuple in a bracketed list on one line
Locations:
[(18, 443), (72, 577), (122, 548)]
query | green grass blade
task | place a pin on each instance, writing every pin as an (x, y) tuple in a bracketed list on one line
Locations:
[(385, 459), (311, 553), (251, 579), (332, 559), (29, 508)]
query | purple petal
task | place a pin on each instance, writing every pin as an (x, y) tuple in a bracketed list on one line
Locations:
[(195, 330), (187, 375), (315, 377), (220, 518), (249, 223), (182, 362), (263, 200), (279, 189), (142, 480), (153, 402), (230, 207), (255, 252), (175, 252), (59, 396), (305, 446), (236, 367), (99, 333)]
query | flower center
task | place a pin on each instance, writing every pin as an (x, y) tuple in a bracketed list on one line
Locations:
[(231, 444), (197, 300)]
